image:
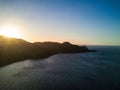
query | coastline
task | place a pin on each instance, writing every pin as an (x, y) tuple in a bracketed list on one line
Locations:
[(14, 50)]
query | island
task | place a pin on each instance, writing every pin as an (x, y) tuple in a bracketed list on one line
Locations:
[(14, 50)]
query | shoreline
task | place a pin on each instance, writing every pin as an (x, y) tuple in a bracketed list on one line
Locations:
[(14, 50)]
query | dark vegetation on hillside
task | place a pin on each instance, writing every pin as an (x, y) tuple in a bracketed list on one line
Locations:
[(13, 50)]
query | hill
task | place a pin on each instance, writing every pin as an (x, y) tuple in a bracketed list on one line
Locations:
[(13, 50)]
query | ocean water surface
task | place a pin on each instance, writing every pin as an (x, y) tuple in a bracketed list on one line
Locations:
[(79, 71)]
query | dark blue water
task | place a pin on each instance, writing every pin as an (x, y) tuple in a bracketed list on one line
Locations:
[(82, 71)]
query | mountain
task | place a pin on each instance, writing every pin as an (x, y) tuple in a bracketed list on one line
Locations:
[(65, 47), (13, 50)]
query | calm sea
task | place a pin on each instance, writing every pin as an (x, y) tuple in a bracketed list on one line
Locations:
[(82, 71)]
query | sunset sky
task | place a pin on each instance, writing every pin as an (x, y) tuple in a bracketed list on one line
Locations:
[(89, 22)]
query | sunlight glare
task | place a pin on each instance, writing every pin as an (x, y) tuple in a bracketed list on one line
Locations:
[(10, 32)]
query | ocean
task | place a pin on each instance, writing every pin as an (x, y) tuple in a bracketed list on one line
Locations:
[(78, 71)]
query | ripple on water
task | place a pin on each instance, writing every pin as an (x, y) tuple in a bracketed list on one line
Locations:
[(62, 72)]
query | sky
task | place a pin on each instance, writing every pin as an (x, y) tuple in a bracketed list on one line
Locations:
[(85, 22)]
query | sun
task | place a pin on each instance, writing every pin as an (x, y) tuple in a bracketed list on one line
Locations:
[(10, 32)]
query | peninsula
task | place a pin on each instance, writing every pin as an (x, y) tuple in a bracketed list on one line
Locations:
[(14, 50)]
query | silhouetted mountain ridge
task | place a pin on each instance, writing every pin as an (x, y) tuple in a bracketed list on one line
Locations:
[(64, 47), (13, 50)]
